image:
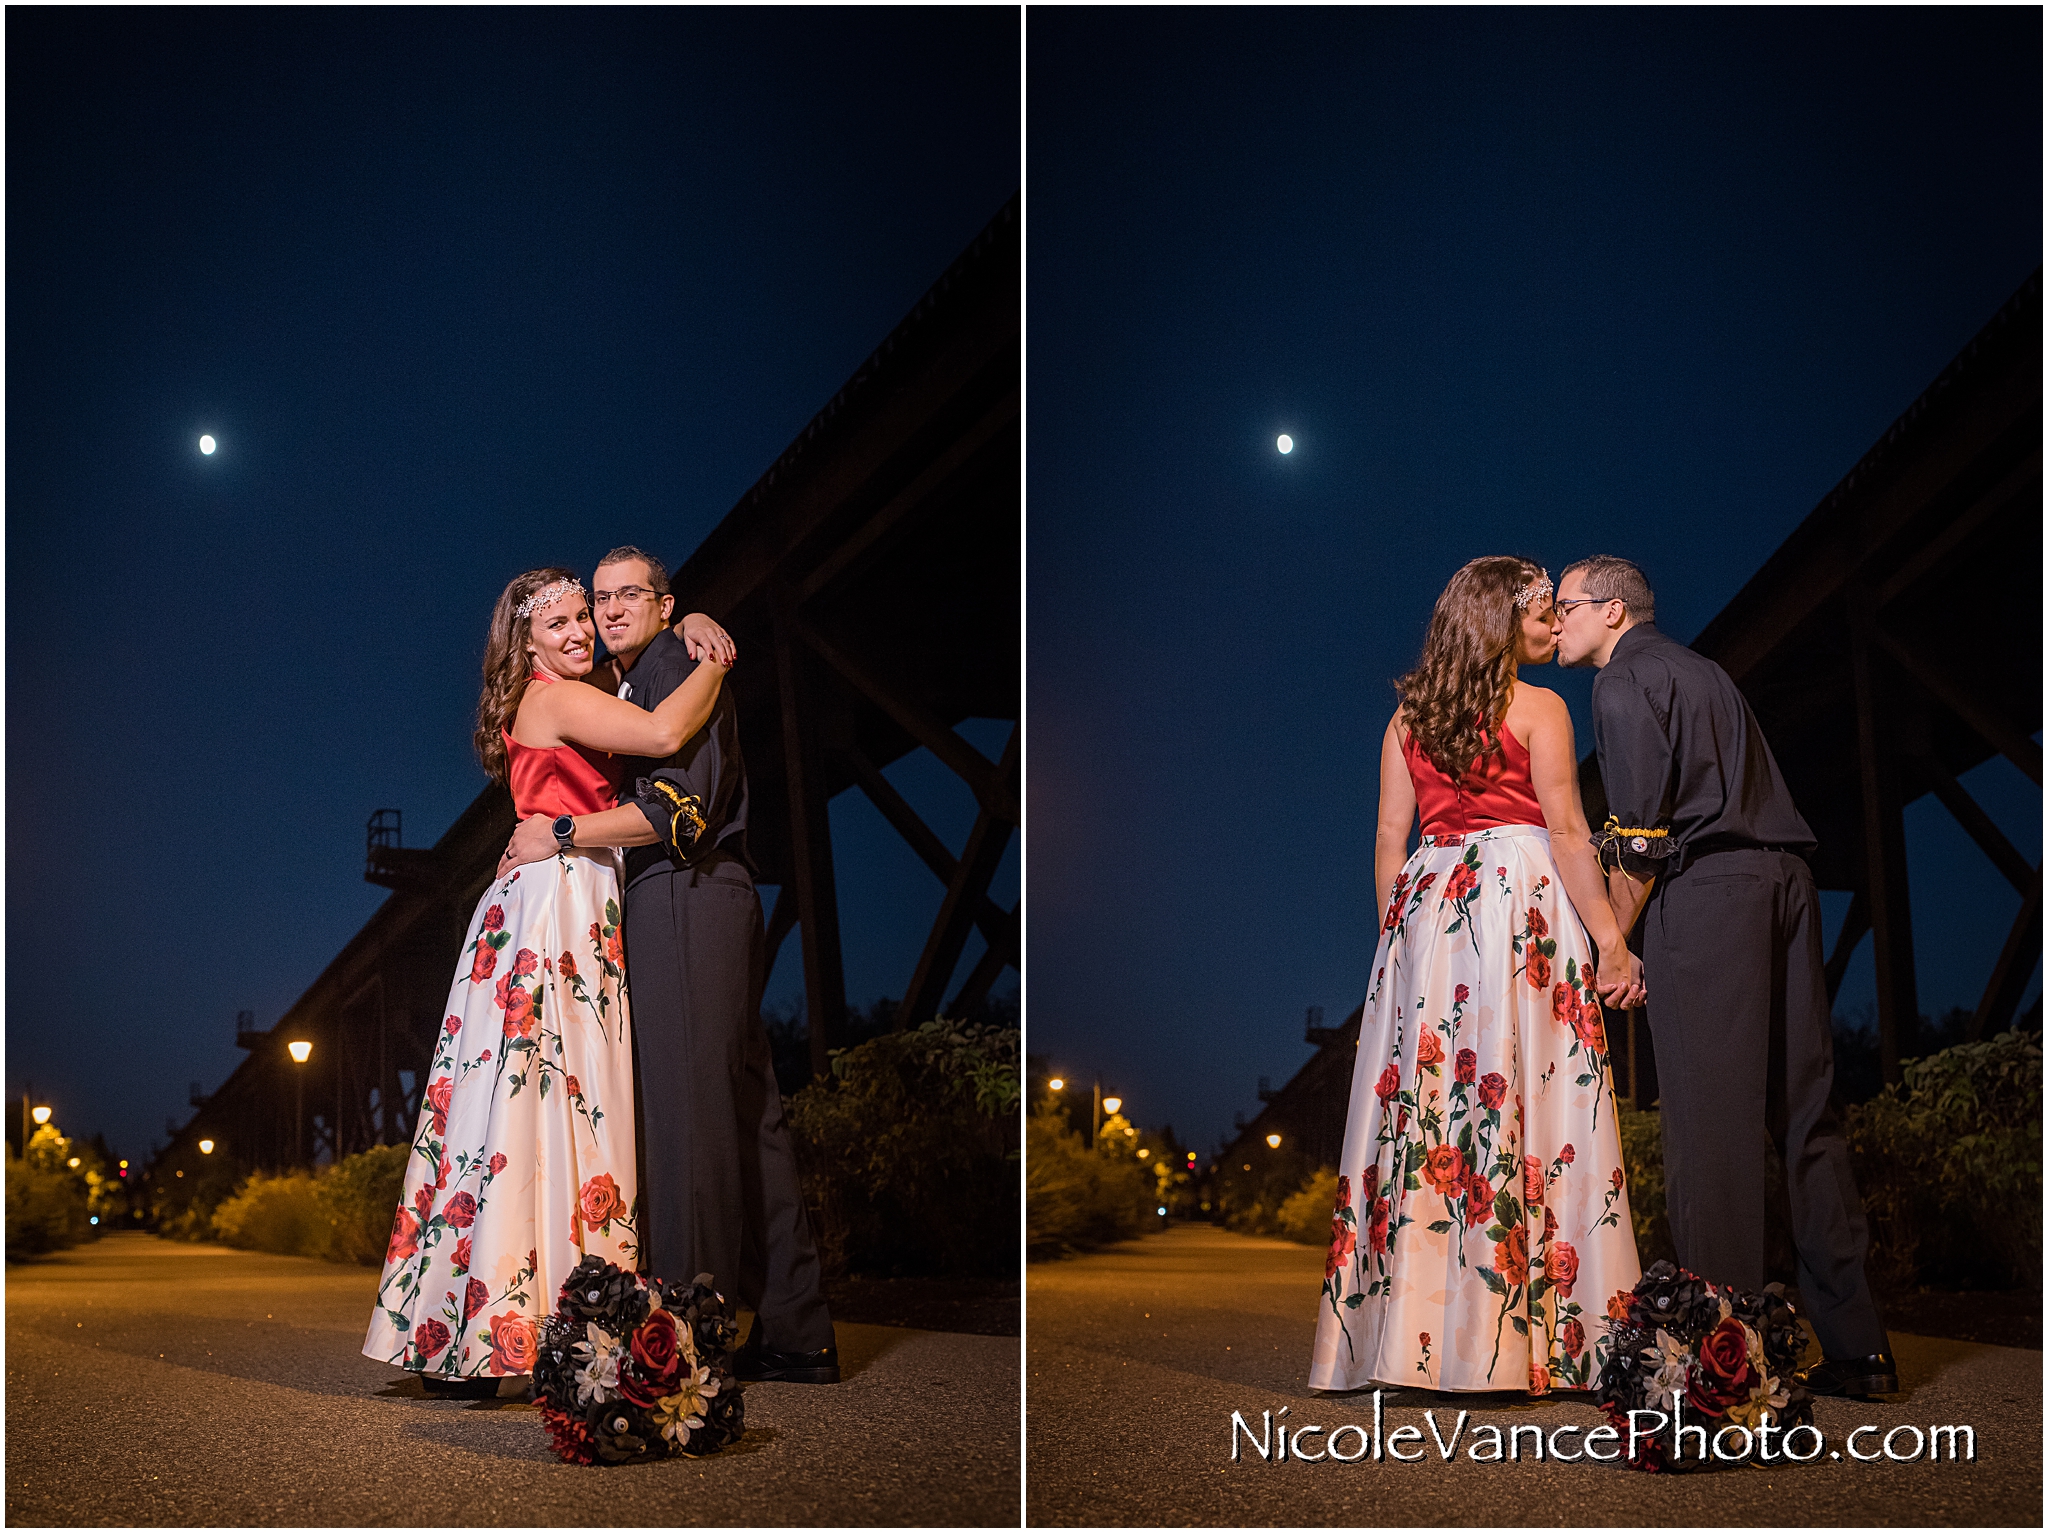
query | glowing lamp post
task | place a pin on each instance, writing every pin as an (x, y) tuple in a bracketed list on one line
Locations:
[(41, 1115), (1057, 1084), (206, 1147), (301, 1051), (1273, 1141)]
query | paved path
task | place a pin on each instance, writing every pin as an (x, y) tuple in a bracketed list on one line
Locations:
[(1137, 1356), (150, 1382)]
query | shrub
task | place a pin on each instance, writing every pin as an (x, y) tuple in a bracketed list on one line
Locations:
[(909, 1152), (1076, 1197), (1250, 1194), (359, 1198), (1950, 1166), (1642, 1160), (51, 1203), (284, 1214), (45, 1210), (1307, 1215)]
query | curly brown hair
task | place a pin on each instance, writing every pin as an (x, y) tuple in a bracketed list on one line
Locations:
[(507, 666), (1456, 698)]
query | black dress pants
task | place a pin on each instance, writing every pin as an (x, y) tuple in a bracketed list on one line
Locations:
[(719, 1189), (1739, 1014)]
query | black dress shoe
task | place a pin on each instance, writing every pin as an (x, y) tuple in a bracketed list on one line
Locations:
[(1876, 1374), (758, 1365)]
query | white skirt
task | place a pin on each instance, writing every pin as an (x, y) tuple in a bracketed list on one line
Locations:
[(523, 1160), (1482, 1217)]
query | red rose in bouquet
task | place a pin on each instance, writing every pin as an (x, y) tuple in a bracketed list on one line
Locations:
[(657, 1358), (1725, 1375)]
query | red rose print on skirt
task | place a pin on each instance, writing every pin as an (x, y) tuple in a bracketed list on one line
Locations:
[(430, 1338)]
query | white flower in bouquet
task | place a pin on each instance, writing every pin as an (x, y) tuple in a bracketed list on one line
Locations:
[(683, 1412), (599, 1376), (1674, 1363)]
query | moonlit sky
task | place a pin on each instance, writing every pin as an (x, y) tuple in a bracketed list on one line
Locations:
[(1549, 281), (459, 292)]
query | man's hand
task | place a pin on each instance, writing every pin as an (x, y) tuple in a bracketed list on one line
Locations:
[(705, 640), (533, 841), (1620, 981)]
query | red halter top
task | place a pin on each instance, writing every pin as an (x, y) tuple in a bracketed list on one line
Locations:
[(1495, 791), (560, 779)]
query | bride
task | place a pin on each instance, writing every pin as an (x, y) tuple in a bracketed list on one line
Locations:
[(1481, 1207), (523, 1160)]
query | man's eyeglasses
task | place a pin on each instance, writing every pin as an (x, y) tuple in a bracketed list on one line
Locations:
[(632, 596), (1579, 601)]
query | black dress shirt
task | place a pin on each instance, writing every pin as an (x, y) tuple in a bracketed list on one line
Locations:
[(1679, 749), (709, 764)]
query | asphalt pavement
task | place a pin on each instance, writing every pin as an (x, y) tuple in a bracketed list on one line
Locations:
[(155, 1383), (1138, 1356)]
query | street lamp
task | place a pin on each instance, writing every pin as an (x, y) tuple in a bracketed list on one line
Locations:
[(1057, 1084), (206, 1147), (1273, 1141), (1112, 1105), (41, 1115), (301, 1051), (74, 1163)]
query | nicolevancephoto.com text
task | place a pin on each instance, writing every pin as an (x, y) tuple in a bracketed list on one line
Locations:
[(1277, 1441)]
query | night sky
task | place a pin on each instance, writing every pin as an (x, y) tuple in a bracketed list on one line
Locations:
[(1554, 282), (459, 293)]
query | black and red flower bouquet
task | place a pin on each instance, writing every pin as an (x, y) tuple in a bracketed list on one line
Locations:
[(1714, 1360), (632, 1369)]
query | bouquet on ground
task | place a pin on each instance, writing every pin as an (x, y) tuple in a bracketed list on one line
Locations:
[(1715, 1362), (631, 1368)]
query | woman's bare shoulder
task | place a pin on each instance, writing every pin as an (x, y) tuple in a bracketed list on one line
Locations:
[(1398, 728)]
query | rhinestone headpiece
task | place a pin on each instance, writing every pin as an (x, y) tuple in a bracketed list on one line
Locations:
[(548, 595), (1534, 592)]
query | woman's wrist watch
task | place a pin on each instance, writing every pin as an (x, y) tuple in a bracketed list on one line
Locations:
[(565, 832)]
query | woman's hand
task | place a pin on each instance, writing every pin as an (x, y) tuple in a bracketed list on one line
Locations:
[(705, 640), (1620, 980)]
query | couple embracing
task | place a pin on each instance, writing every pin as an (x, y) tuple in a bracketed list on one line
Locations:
[(539, 1141), (1482, 1220)]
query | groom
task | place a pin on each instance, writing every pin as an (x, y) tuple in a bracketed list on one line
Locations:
[(1711, 842), (720, 1193)]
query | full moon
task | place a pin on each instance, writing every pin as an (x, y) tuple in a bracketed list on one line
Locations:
[(1285, 444), (207, 444)]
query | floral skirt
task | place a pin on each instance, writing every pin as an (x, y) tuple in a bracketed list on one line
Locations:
[(524, 1156), (1482, 1220)]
